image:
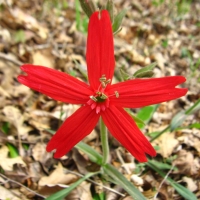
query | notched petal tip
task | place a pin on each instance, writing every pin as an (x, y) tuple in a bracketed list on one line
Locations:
[(57, 153), (21, 78), (179, 79), (24, 67)]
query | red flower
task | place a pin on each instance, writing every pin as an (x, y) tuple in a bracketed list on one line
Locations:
[(100, 98)]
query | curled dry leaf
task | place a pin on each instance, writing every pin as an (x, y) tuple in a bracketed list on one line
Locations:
[(186, 163)]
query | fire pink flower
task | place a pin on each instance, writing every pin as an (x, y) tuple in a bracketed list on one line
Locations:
[(101, 98)]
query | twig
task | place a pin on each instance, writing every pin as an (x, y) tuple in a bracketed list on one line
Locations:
[(122, 161), (8, 58), (10, 180), (107, 188), (163, 181)]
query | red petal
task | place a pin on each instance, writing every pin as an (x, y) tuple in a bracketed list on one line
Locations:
[(55, 84), (100, 49), (142, 92), (73, 130), (124, 129)]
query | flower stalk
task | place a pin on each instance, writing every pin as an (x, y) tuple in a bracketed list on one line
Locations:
[(104, 142)]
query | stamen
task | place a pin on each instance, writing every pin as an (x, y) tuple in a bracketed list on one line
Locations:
[(107, 81), (104, 81), (116, 94), (103, 96), (103, 78), (93, 98), (103, 84)]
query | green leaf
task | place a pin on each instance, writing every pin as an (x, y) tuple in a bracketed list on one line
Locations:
[(162, 166), (118, 20), (193, 108), (195, 125), (184, 192), (111, 171), (19, 36), (109, 7), (145, 74), (177, 120), (86, 7), (93, 155), (180, 117), (136, 119), (144, 70), (123, 182), (125, 76), (145, 114), (12, 150), (25, 146), (63, 193), (5, 127), (100, 196)]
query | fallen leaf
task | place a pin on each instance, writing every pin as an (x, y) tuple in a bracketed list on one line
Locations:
[(186, 163), (191, 185), (43, 58), (7, 163), (14, 116), (82, 192), (57, 177), (39, 153), (167, 143), (7, 194)]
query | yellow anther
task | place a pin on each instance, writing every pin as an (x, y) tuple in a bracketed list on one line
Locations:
[(103, 78)]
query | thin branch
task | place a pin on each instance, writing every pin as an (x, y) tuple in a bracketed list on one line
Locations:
[(8, 58), (10, 180), (163, 181)]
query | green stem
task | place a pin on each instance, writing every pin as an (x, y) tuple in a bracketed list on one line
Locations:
[(160, 133), (104, 142)]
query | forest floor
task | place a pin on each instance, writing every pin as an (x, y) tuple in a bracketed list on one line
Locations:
[(53, 34)]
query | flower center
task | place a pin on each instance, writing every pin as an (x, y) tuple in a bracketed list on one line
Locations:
[(100, 101)]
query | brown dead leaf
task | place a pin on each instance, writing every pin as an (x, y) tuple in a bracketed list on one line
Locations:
[(7, 194), (167, 143), (191, 137), (186, 163), (7, 163), (39, 153), (57, 177), (22, 18), (14, 116), (82, 192), (80, 161), (67, 109), (191, 185), (43, 58)]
